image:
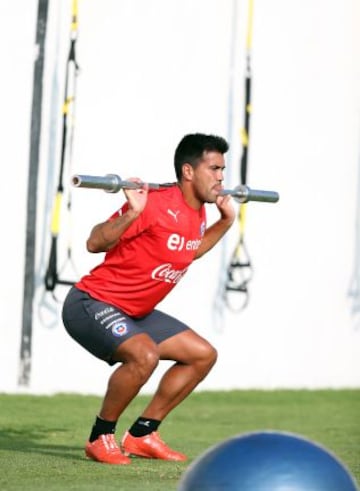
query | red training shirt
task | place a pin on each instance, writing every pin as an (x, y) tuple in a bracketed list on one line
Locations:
[(153, 254)]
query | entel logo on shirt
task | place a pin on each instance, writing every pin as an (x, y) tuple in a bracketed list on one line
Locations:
[(177, 242), (165, 273)]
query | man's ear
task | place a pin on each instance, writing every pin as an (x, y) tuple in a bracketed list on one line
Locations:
[(187, 171)]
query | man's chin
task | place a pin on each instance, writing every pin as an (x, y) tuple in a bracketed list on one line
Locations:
[(211, 198)]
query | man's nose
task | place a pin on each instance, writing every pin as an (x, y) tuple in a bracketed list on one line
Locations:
[(220, 175)]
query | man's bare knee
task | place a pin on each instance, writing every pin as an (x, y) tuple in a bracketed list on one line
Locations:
[(205, 360), (146, 364), (143, 361), (140, 355), (211, 356)]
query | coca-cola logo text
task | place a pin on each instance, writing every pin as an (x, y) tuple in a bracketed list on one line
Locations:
[(166, 273)]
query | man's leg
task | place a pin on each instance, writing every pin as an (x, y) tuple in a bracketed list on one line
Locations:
[(139, 357), (194, 358), (112, 336)]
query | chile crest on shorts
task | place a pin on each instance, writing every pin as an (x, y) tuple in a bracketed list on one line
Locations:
[(119, 329)]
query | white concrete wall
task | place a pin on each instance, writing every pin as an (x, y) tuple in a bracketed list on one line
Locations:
[(150, 73)]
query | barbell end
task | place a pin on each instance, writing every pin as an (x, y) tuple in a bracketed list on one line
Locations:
[(111, 183), (243, 194), (76, 181), (93, 182)]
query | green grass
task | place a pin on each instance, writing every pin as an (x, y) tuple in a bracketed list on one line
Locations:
[(42, 438)]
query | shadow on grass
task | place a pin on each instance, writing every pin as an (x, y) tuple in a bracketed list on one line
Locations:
[(37, 440)]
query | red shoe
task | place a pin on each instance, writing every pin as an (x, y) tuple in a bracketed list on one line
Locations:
[(106, 450), (150, 446)]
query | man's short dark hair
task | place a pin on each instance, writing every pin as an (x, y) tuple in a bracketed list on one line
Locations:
[(192, 147)]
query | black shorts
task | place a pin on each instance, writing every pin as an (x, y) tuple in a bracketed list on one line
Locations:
[(100, 327)]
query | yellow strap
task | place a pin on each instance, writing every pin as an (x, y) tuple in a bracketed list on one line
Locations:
[(244, 137), (74, 16), (55, 222), (242, 214), (66, 104), (250, 24), (243, 133)]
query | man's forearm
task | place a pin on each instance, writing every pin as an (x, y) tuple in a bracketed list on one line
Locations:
[(106, 235), (212, 235)]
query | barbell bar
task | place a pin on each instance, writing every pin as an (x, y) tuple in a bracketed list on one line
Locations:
[(112, 183)]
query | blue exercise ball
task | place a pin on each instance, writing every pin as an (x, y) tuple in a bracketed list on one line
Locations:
[(267, 461)]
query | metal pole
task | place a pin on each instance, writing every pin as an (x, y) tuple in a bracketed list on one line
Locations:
[(28, 295)]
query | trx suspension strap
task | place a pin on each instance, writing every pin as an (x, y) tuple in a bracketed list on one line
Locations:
[(29, 277), (52, 276), (240, 270)]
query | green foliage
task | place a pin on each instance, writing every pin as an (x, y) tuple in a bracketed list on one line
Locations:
[(42, 438)]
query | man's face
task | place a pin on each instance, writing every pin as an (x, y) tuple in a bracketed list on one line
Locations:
[(207, 177)]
